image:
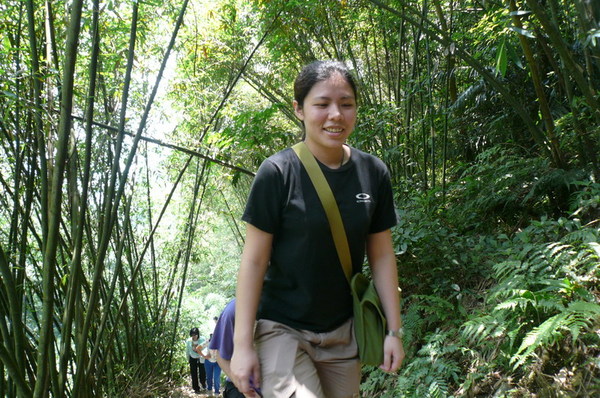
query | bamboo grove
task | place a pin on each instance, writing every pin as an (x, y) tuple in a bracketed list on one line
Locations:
[(126, 125)]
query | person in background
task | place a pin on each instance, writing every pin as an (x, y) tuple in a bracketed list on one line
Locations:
[(192, 348), (202, 351), (222, 344), (290, 280), (213, 371), (212, 323)]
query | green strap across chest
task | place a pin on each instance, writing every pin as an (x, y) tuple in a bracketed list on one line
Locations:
[(329, 204)]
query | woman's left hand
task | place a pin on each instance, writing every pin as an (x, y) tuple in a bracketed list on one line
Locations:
[(393, 354)]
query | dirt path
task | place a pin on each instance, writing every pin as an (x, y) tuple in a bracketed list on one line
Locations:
[(187, 392)]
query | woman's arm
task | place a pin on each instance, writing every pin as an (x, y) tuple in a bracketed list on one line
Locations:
[(199, 349), (382, 261), (244, 365), (224, 364), (188, 348)]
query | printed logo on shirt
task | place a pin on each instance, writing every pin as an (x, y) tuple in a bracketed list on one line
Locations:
[(363, 198)]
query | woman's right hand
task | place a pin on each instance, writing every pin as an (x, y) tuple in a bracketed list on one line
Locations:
[(245, 370), (245, 366)]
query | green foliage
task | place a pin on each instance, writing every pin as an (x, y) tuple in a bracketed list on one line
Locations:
[(436, 257), (499, 262), (578, 317), (586, 201), (253, 134), (434, 369), (509, 188), (516, 312), (544, 291)]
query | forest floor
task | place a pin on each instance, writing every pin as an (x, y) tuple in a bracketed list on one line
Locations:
[(187, 392)]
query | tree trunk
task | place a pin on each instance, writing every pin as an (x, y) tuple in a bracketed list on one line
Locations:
[(557, 156)]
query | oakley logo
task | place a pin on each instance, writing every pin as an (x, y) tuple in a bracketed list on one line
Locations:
[(363, 198)]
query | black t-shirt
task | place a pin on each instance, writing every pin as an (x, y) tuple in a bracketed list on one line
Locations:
[(305, 286)]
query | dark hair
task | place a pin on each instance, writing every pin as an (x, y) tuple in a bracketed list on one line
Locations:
[(194, 332), (316, 72)]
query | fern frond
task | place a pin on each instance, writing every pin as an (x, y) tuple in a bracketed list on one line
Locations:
[(435, 308), (482, 328), (438, 388), (557, 247), (595, 246), (550, 304), (577, 316), (586, 308), (467, 97), (540, 335), (582, 315), (412, 319), (505, 269)]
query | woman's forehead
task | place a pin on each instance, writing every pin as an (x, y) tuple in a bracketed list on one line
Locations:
[(334, 84)]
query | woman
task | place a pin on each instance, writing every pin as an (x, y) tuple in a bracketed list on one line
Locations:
[(192, 348), (222, 344), (290, 276), (213, 370)]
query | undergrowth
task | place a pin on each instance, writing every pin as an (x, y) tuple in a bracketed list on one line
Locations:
[(500, 286)]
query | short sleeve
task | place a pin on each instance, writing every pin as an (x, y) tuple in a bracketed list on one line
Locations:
[(384, 216), (222, 339), (263, 208)]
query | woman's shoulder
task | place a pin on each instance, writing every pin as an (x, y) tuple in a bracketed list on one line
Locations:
[(278, 163), (282, 157), (363, 158)]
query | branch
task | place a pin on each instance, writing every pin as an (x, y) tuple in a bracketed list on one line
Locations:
[(172, 146)]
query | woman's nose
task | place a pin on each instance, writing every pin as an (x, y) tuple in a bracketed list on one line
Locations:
[(334, 112)]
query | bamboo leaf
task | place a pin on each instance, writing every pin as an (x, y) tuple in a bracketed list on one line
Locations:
[(522, 31), (592, 38), (519, 13), (501, 59)]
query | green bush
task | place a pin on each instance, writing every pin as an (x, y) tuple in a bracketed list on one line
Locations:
[(500, 293)]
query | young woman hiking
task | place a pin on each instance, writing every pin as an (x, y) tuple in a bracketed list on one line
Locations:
[(290, 282)]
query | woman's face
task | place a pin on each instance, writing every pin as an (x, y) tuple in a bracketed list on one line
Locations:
[(329, 112)]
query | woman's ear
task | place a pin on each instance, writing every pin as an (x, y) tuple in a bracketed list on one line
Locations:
[(298, 110)]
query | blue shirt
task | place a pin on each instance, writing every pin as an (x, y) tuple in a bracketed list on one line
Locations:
[(222, 339)]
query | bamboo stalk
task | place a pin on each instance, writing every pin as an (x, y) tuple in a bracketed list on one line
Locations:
[(557, 156), (46, 330), (442, 37), (73, 292)]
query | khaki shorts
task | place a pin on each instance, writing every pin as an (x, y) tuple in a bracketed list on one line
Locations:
[(303, 364)]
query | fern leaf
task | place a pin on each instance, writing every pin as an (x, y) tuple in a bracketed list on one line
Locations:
[(538, 336), (595, 247), (585, 307), (576, 317), (556, 248), (551, 304), (438, 388)]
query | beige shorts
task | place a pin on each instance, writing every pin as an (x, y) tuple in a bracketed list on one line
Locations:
[(303, 364)]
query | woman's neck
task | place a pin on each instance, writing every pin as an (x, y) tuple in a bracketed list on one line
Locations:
[(333, 158)]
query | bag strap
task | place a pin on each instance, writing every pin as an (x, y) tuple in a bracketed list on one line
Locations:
[(329, 204)]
